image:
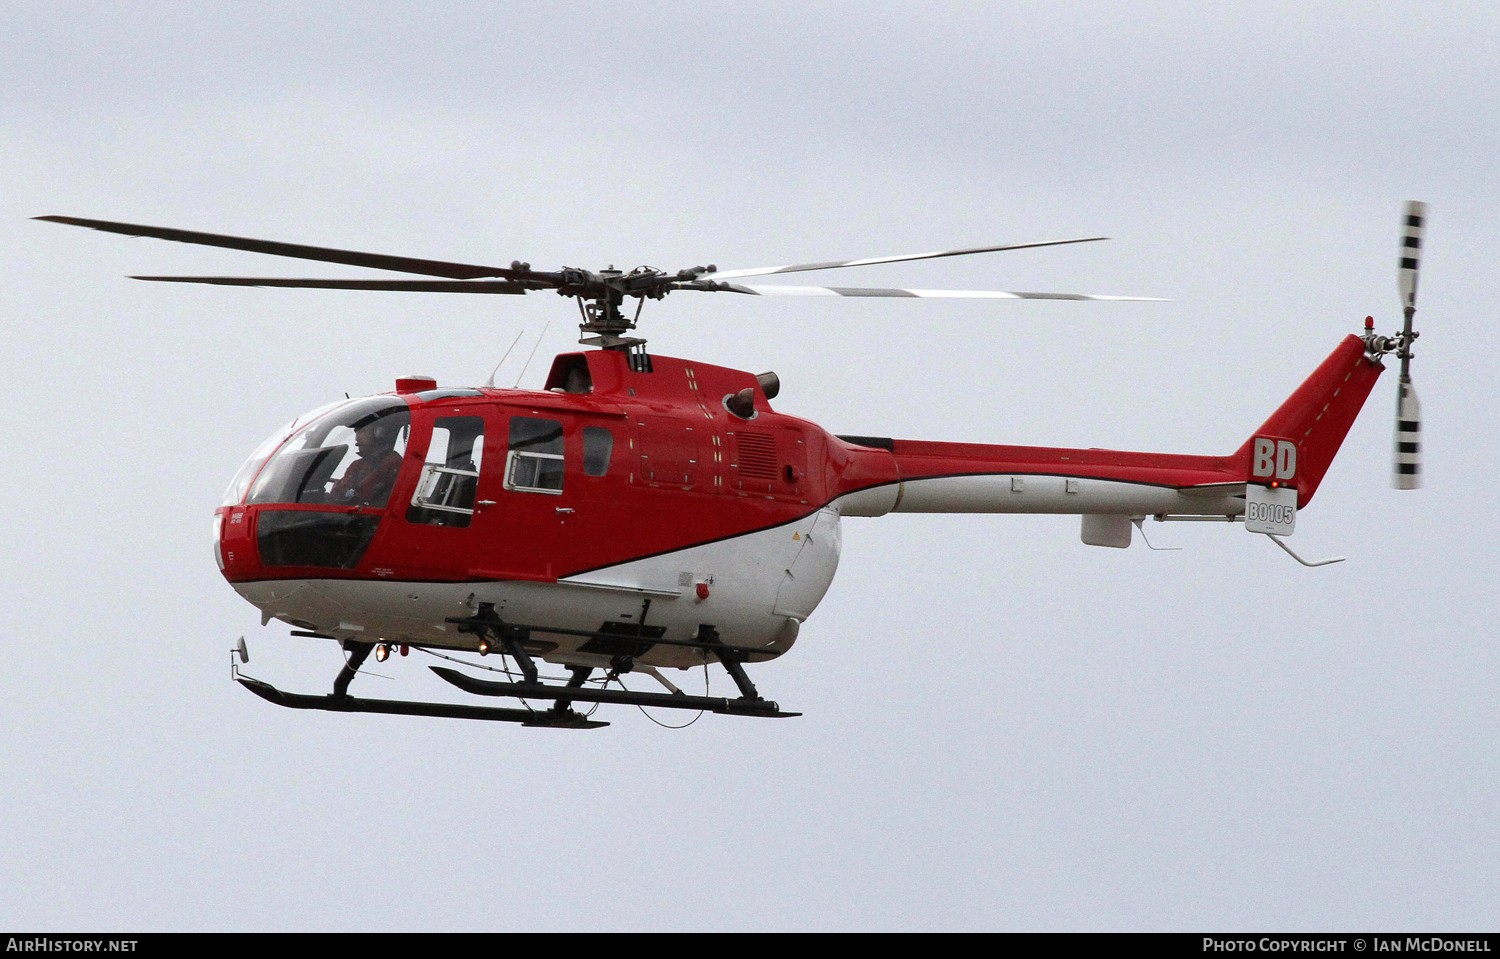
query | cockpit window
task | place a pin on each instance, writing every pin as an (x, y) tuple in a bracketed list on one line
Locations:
[(350, 457), (242, 479), (241, 482), (307, 537)]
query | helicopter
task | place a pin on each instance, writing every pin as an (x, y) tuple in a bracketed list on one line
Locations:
[(643, 512)]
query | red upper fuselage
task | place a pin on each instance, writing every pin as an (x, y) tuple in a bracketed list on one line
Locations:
[(681, 470), (610, 464)]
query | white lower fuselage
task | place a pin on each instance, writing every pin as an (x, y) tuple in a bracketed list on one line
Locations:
[(760, 586)]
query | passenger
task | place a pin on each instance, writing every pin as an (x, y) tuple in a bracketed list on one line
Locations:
[(369, 479)]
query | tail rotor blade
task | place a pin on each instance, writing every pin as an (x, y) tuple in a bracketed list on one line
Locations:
[(1411, 251), (1406, 470)]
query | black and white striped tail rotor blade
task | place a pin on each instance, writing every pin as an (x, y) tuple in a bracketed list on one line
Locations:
[(1411, 251), (1406, 470), (917, 294), (874, 260)]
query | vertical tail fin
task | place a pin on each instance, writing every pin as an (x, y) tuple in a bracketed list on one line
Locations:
[(1315, 419)]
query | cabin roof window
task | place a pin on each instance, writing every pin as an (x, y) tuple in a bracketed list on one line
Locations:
[(427, 396)]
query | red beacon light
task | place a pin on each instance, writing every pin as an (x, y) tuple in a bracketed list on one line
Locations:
[(415, 383)]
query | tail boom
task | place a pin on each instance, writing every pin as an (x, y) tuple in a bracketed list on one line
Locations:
[(917, 476), (969, 478)]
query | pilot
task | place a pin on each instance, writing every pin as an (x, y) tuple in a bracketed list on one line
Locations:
[(369, 479)]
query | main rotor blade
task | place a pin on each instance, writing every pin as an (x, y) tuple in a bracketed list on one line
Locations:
[(803, 267), (931, 294), (378, 261), (402, 286)]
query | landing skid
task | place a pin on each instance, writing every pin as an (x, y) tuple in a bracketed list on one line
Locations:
[(353, 704), (743, 706)]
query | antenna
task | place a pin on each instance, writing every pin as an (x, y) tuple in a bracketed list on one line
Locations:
[(533, 352), (491, 381)]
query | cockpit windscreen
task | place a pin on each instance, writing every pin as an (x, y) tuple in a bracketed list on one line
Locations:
[(349, 457)]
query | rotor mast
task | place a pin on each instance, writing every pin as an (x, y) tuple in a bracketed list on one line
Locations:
[(601, 295)]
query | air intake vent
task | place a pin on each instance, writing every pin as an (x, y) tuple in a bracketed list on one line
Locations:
[(757, 455)]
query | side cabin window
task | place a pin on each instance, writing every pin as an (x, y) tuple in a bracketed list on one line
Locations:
[(598, 444), (535, 461), (450, 477)]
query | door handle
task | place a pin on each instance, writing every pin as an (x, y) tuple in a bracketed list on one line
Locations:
[(564, 509), (486, 502)]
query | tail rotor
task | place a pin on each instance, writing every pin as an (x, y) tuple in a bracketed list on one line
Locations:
[(1406, 467)]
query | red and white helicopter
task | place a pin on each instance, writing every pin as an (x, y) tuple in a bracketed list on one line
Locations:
[(644, 512)]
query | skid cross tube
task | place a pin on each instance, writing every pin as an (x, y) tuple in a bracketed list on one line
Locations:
[(564, 703), (713, 704), (709, 637), (511, 637), (358, 653)]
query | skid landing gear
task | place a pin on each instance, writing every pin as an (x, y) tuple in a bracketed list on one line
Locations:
[(560, 716), (749, 702), (511, 638)]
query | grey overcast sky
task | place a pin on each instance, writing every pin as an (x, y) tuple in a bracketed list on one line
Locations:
[(1004, 729)]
